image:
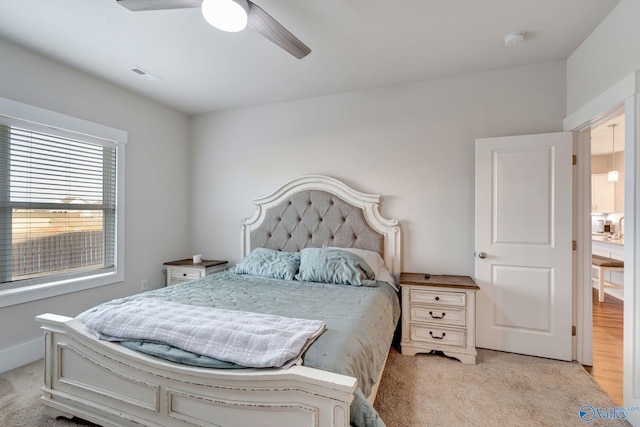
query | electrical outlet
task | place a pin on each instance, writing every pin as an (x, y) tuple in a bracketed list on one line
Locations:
[(144, 285)]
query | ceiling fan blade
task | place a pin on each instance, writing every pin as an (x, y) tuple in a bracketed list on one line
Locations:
[(263, 23), (138, 5)]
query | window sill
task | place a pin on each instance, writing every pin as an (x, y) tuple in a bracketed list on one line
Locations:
[(31, 293)]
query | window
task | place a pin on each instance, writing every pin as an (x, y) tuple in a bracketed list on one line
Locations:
[(60, 205)]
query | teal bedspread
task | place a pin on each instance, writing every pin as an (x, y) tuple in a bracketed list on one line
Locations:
[(360, 323)]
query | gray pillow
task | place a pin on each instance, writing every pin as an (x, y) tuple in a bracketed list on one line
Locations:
[(334, 266), (269, 263)]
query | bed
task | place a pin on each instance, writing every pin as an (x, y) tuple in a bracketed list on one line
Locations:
[(111, 384)]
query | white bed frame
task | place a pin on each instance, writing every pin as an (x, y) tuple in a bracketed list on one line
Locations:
[(110, 385)]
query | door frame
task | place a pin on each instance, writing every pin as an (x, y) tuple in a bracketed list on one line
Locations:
[(583, 312), (625, 93)]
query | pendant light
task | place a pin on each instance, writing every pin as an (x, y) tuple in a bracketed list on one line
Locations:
[(612, 175)]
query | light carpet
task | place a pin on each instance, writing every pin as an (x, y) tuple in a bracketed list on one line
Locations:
[(503, 389)]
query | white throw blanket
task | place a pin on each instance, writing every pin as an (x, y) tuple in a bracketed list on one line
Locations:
[(248, 339)]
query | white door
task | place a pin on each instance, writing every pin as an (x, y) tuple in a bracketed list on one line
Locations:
[(523, 244)]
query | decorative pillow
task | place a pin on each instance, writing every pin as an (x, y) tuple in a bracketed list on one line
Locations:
[(334, 266), (376, 263), (372, 258), (269, 263)]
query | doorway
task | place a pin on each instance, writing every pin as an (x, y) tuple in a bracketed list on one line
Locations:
[(607, 250), (624, 95)]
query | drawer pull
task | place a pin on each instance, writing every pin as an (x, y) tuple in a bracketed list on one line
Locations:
[(184, 274), (437, 317), (437, 338), (437, 298)]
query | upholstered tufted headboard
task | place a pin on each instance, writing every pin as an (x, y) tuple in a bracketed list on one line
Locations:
[(313, 211)]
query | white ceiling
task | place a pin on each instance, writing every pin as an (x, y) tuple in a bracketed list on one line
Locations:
[(355, 44)]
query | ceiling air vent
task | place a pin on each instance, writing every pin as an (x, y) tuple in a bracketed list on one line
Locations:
[(147, 75)]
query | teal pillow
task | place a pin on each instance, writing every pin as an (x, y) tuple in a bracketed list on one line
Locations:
[(269, 263), (334, 266)]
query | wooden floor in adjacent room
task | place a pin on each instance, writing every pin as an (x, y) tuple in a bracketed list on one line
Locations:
[(607, 345)]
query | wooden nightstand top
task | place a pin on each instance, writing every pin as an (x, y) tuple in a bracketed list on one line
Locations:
[(189, 263), (460, 282)]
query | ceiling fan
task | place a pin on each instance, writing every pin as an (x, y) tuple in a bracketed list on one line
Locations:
[(231, 15)]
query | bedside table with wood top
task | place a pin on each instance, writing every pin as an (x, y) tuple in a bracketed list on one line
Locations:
[(185, 270), (439, 313)]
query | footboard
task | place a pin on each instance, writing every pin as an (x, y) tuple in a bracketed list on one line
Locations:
[(110, 385)]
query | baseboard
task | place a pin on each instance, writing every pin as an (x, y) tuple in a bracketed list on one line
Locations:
[(21, 354)]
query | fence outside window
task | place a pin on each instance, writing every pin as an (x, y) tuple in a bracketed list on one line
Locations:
[(57, 253)]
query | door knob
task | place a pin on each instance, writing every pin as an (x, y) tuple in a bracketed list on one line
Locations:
[(482, 255)]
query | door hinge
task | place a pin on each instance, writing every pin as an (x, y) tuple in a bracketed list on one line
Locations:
[(573, 331), (574, 160), (574, 245)]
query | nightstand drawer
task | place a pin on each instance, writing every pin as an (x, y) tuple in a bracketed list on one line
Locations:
[(437, 335), (185, 274), (185, 270), (438, 298), (435, 314)]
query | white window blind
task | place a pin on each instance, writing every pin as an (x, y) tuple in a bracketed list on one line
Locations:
[(57, 205)]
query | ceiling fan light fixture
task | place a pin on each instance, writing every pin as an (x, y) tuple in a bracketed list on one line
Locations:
[(226, 15)]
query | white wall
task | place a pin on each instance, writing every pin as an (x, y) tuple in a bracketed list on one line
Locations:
[(609, 54), (156, 180), (414, 144)]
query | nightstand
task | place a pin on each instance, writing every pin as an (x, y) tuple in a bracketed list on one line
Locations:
[(185, 270), (439, 313)]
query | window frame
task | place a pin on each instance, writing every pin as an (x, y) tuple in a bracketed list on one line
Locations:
[(25, 116)]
